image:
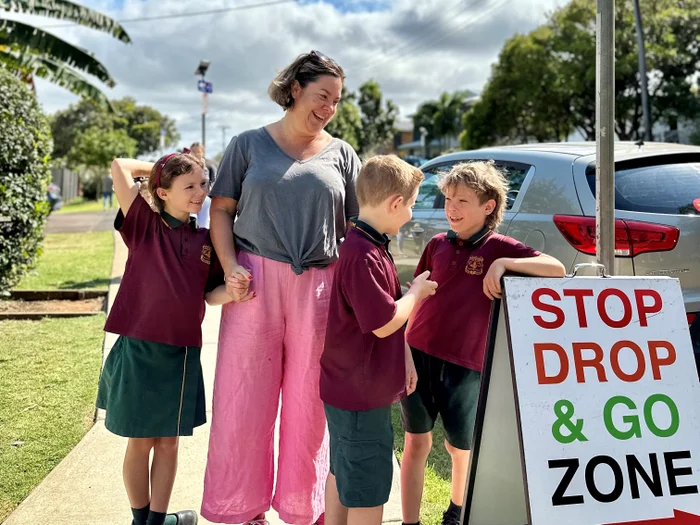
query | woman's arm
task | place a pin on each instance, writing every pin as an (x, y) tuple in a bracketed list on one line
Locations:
[(221, 216), (123, 173)]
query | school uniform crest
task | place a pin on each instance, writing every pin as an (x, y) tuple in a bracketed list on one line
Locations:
[(206, 254), (475, 265)]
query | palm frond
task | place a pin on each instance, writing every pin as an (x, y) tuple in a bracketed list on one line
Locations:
[(26, 39), (69, 11), (45, 67)]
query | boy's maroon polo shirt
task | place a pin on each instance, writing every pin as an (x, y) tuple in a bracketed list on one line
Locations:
[(170, 266), (360, 371), (453, 323)]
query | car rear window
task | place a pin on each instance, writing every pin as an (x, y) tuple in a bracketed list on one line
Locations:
[(670, 189)]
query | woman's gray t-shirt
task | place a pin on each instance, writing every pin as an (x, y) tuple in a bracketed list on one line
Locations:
[(289, 210)]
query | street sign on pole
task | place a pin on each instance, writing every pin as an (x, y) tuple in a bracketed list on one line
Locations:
[(605, 134), (205, 86)]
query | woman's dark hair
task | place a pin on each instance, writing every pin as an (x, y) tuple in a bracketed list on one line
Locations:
[(307, 68)]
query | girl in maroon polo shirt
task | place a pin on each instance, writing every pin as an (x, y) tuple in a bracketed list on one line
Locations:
[(151, 385)]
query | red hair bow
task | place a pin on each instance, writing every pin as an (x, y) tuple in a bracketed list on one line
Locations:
[(163, 161)]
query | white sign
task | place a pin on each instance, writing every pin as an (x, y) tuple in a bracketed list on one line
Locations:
[(608, 399)]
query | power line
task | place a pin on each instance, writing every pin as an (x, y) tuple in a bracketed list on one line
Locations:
[(415, 45), (425, 30), (189, 14)]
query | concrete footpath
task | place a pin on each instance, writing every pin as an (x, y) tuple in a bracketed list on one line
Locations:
[(86, 488), (97, 221)]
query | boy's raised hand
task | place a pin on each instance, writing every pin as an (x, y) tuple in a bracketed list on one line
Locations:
[(422, 286)]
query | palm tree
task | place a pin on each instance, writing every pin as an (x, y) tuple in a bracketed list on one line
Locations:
[(447, 118), (29, 51)]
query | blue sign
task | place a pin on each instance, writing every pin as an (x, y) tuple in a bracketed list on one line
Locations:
[(205, 87)]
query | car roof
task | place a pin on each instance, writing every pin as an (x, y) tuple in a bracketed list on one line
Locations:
[(570, 151)]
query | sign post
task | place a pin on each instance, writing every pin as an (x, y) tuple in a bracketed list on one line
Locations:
[(205, 88), (605, 134), (589, 412)]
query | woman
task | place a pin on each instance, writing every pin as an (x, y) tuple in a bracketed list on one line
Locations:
[(290, 186)]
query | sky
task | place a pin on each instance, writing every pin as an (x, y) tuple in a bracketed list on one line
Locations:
[(415, 50)]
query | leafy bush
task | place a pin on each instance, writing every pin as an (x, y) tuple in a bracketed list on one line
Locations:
[(25, 146)]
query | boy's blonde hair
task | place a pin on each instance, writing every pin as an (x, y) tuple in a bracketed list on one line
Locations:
[(383, 176), (484, 179)]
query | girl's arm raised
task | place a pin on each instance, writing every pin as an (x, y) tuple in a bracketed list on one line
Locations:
[(123, 173)]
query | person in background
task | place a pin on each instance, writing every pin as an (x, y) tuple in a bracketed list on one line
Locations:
[(107, 191), (198, 151)]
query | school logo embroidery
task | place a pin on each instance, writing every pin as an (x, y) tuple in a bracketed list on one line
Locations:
[(206, 254), (475, 265)]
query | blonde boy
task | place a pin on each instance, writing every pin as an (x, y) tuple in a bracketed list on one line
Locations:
[(366, 365), (447, 333)]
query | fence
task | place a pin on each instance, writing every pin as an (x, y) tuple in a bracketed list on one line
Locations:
[(67, 181)]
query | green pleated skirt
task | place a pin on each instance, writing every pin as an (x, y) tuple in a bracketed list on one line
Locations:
[(152, 390)]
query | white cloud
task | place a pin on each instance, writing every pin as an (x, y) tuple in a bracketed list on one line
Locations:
[(415, 49)]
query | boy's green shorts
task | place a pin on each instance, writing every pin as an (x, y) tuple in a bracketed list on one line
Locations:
[(362, 448), (446, 389)]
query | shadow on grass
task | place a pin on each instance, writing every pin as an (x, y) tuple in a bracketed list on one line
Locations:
[(439, 458), (85, 285)]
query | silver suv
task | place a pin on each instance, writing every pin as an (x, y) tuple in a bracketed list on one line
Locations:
[(551, 207)]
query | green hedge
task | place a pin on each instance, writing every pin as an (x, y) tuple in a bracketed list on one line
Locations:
[(25, 146)]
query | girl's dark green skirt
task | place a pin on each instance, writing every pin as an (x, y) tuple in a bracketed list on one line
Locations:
[(152, 390)]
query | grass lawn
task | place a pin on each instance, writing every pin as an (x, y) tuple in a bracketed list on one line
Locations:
[(82, 205), (72, 261), (49, 373), (438, 474)]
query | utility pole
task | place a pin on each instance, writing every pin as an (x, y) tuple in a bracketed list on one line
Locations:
[(223, 137), (646, 110), (605, 134)]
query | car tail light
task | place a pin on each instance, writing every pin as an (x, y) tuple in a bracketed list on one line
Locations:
[(631, 237), (691, 318)]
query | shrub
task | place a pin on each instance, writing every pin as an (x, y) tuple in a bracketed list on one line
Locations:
[(25, 146)]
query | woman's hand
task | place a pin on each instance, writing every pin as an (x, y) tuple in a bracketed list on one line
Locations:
[(238, 284)]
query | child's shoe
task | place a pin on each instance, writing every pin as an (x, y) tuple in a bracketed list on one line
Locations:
[(186, 517), (452, 515)]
